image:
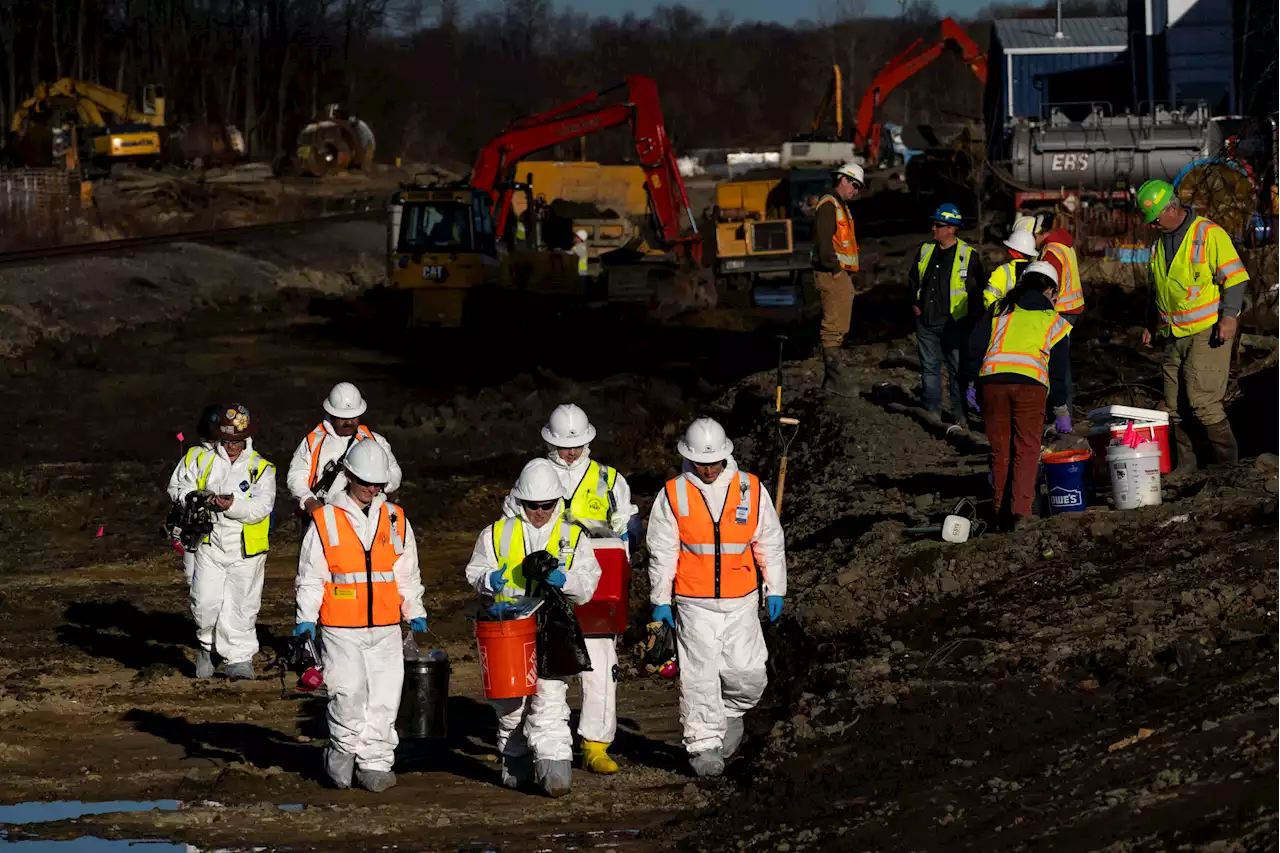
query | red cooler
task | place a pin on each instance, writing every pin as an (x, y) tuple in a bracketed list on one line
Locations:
[(606, 612), (1110, 422)]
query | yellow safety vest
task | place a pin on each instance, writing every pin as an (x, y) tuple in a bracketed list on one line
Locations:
[(959, 294), (520, 232), (255, 536), (1002, 281), (1189, 290), (592, 500), (508, 545), (1070, 294), (843, 240), (582, 264), (1020, 343)]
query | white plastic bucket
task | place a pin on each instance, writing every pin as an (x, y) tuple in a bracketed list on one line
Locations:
[(1135, 474)]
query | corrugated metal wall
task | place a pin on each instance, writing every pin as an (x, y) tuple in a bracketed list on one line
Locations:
[(1028, 89)]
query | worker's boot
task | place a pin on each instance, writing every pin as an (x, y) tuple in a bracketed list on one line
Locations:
[(1186, 452), (339, 766), (835, 378), (707, 764), (204, 664), (1223, 441), (733, 736), (596, 759), (242, 671), (376, 781), (516, 771), (555, 777)]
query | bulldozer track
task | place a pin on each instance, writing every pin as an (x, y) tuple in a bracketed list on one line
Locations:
[(212, 235)]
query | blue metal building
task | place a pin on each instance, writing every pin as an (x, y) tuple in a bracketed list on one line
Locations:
[(1183, 51), (1026, 53)]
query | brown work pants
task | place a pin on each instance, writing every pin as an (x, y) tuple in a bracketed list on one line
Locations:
[(836, 290), (1014, 415), (1195, 378)]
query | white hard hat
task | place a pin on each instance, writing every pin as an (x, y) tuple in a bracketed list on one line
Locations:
[(368, 462), (1022, 242), (344, 401), (1043, 267), (704, 442), (1025, 223), (538, 482), (852, 171), (581, 234), (568, 427)]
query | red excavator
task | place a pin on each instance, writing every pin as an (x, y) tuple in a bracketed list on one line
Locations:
[(867, 131), (442, 241)]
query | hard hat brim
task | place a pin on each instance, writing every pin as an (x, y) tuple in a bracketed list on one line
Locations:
[(586, 438), (705, 458), (346, 413)]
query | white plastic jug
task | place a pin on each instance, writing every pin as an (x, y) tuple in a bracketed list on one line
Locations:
[(955, 528), (1135, 474)]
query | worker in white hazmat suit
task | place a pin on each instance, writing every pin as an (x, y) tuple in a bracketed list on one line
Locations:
[(226, 582), (597, 495), (358, 578), (206, 432), (714, 542), (538, 723), (316, 469)]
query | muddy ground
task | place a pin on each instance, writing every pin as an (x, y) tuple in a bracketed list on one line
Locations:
[(924, 696)]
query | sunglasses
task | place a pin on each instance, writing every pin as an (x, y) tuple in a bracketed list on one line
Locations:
[(227, 442), (540, 506), (357, 481)]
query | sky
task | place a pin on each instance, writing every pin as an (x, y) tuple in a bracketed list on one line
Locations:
[(781, 11)]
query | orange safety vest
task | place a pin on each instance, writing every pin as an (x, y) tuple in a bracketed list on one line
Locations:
[(844, 240), (361, 591), (1070, 296), (316, 438), (715, 559)]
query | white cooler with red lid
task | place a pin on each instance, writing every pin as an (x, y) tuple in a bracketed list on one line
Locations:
[(1110, 423)]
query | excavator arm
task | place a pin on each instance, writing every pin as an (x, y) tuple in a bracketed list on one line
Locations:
[(866, 134), (668, 199)]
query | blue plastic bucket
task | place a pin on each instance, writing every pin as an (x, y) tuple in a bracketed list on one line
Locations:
[(1065, 476)]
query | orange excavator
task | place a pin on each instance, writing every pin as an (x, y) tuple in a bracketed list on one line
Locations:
[(867, 131)]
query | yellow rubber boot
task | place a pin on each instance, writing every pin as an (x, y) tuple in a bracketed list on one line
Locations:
[(596, 759)]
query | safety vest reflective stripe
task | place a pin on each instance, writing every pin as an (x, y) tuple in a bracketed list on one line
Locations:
[(361, 591), (1020, 343), (255, 537), (957, 291), (593, 498), (316, 438), (1070, 295), (509, 548), (715, 559), (1188, 287), (844, 240)]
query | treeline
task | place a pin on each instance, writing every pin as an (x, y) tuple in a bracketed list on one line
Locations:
[(436, 78)]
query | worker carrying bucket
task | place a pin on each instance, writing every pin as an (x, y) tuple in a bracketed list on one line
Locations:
[(534, 740), (599, 499), (357, 579), (714, 541)]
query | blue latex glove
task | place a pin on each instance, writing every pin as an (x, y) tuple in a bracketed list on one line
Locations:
[(418, 625), (1062, 424), (774, 604), (305, 628), (556, 578), (500, 608), (497, 580), (971, 397), (662, 613)]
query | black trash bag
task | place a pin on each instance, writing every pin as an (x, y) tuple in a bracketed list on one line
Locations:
[(562, 650)]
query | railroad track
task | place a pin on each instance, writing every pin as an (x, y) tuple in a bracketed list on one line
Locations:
[(212, 235)]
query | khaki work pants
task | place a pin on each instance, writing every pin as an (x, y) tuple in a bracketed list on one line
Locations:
[(836, 290), (1195, 378)]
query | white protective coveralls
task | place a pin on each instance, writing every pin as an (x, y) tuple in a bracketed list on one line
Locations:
[(363, 667), (332, 446), (719, 641), (175, 492), (226, 586), (545, 716), (599, 718)]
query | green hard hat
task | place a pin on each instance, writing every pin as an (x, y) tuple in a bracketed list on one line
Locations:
[(1153, 198)]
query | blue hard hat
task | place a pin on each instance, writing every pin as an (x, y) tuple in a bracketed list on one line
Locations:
[(947, 214)]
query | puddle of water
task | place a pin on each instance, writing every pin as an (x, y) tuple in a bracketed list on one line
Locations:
[(291, 807), (92, 844), (71, 809)]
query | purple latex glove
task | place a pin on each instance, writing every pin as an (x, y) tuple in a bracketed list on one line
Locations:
[(1062, 424), (971, 397)]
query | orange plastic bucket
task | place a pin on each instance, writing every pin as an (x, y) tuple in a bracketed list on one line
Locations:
[(508, 657), (1063, 457)]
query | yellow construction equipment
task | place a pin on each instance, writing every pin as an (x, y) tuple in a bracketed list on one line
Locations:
[(110, 126)]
